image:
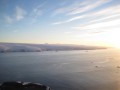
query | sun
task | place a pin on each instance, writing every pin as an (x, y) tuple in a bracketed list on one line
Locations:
[(115, 44), (113, 38), (110, 38)]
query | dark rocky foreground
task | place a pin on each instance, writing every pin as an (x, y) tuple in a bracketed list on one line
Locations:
[(22, 86)]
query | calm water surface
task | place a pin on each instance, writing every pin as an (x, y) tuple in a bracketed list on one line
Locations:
[(64, 70)]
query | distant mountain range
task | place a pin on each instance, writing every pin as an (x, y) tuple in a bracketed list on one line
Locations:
[(20, 47)]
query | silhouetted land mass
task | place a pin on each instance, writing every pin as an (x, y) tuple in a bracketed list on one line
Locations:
[(22, 86), (20, 47)]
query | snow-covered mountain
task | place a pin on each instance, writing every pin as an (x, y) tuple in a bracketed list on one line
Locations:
[(19, 47)]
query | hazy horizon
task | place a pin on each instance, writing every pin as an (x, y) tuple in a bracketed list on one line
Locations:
[(78, 22), (55, 44)]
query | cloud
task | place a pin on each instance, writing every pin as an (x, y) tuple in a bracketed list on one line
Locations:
[(15, 31), (80, 7), (101, 25), (20, 13), (69, 20), (96, 16), (97, 32), (68, 32), (103, 19), (107, 14), (89, 6), (8, 19), (71, 7), (37, 11)]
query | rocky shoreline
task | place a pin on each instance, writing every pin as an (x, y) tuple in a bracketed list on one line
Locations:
[(23, 86)]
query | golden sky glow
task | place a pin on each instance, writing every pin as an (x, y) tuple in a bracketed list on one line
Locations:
[(86, 22)]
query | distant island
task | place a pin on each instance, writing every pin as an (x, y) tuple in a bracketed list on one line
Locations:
[(22, 47)]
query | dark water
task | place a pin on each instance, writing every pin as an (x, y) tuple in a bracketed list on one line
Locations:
[(64, 70)]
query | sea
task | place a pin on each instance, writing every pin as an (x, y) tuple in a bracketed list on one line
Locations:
[(64, 70)]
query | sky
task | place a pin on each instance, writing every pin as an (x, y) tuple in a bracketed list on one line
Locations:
[(84, 22)]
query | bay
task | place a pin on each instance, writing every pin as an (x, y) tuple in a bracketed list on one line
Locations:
[(64, 70)]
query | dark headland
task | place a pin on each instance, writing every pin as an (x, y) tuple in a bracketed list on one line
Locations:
[(23, 86)]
